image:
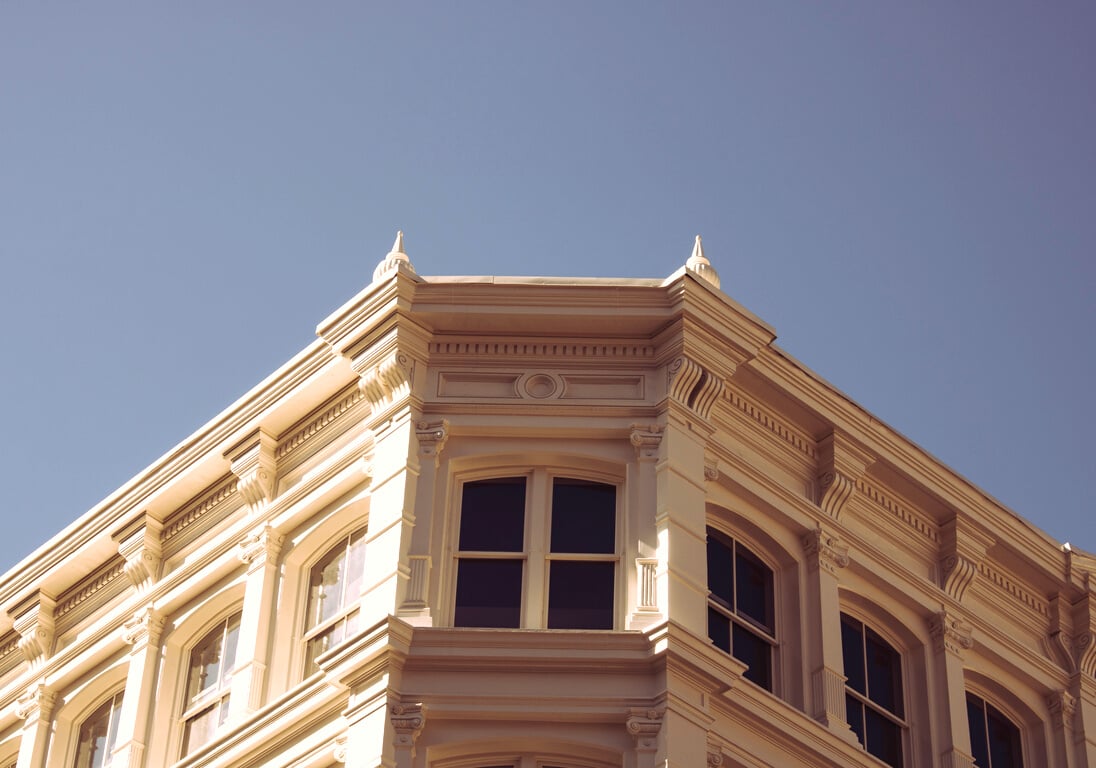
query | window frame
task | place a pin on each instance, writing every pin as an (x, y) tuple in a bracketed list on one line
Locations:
[(1010, 717), (217, 696), (732, 613), (867, 624), (113, 704), (536, 555), (349, 606)]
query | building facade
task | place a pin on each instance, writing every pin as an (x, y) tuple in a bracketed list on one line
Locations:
[(558, 523)]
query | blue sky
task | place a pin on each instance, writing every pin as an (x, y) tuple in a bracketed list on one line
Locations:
[(905, 191)]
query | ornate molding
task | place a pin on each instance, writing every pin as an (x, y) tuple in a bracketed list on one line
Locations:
[(432, 436), (1085, 645), (38, 700), (772, 424), (200, 509), (317, 423), (34, 620), (89, 588), (963, 548), (711, 469), (841, 462), (956, 574), (407, 720), (715, 755), (1062, 706), (387, 380), (647, 580), (139, 544), (950, 633), (540, 350), (914, 520), (834, 490), (829, 697), (418, 577), (829, 551), (646, 438), (144, 627), (692, 385), (1014, 588), (260, 547), (254, 462), (643, 725)]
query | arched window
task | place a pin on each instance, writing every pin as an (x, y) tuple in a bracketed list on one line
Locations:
[(874, 704), (98, 734), (994, 739), (515, 531), (334, 586), (740, 606), (212, 662)]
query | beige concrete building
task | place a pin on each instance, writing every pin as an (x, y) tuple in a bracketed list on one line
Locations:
[(558, 523)]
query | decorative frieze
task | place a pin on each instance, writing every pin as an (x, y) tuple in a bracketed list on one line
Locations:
[(510, 350), (769, 422), (646, 438), (316, 424), (254, 462), (90, 587), (198, 511), (950, 633), (824, 548), (139, 544), (693, 386), (643, 725), (918, 522)]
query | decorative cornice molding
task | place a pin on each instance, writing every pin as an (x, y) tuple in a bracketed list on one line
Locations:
[(180, 522), (950, 633), (771, 423), (646, 438), (139, 544), (317, 423), (643, 725), (540, 350), (85, 590), (826, 549), (909, 517), (693, 386), (1013, 588), (38, 700), (432, 436), (144, 627), (254, 462)]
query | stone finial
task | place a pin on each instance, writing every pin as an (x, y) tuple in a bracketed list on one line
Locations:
[(393, 260), (699, 265)]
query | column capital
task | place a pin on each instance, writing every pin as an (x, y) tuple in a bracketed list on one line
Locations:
[(950, 633), (260, 546), (432, 436), (644, 725), (1062, 706), (829, 551), (408, 719), (144, 627), (38, 700), (646, 438)]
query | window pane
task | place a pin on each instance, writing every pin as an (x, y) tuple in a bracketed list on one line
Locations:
[(580, 595), (755, 588), (884, 672), (720, 569), (852, 651), (976, 721), (719, 630), (205, 663), (884, 738), (326, 587), (488, 593), (756, 653), (355, 568), (315, 646), (583, 516), (232, 637), (1004, 740), (854, 714), (98, 735), (200, 729), (492, 515)]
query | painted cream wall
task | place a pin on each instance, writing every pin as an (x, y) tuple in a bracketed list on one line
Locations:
[(667, 389)]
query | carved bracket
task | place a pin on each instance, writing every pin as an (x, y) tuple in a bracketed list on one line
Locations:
[(139, 544), (950, 633), (38, 700), (432, 436), (693, 386), (254, 462), (841, 462), (962, 549), (646, 439), (33, 620), (408, 720), (1062, 706), (644, 725), (385, 381)]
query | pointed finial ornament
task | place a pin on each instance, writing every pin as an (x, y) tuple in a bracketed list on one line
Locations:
[(699, 265), (393, 260)]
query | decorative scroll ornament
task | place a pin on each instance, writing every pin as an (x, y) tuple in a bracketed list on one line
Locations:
[(711, 469), (139, 545), (407, 721), (254, 462), (646, 439), (644, 725), (432, 436), (260, 546), (957, 573), (33, 621), (144, 626), (950, 633), (38, 699), (963, 547), (715, 756), (831, 552), (835, 490), (388, 380), (841, 463), (693, 386), (1086, 653)]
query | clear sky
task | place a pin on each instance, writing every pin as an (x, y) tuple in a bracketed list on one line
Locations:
[(905, 191)]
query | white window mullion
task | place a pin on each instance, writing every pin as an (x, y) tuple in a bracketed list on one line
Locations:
[(537, 501)]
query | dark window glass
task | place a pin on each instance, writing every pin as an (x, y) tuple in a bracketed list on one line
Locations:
[(719, 630), (583, 517), (994, 740), (488, 593), (492, 515), (754, 596), (873, 669), (721, 571), (580, 595), (740, 606), (756, 653)]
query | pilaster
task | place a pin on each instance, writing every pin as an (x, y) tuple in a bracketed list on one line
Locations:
[(825, 556), (951, 638), (642, 510), (407, 721), (259, 551), (142, 631), (644, 726), (35, 708), (415, 567)]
